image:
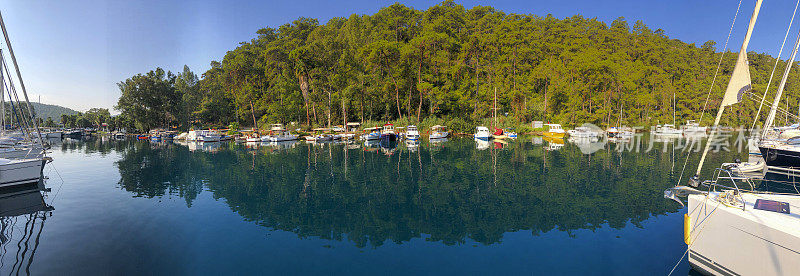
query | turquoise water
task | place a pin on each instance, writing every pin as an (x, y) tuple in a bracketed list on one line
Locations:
[(458, 207)]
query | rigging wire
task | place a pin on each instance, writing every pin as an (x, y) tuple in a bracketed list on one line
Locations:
[(777, 60), (708, 95), (719, 64)]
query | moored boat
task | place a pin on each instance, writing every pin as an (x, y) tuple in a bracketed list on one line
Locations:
[(438, 132), (554, 131), (482, 133)]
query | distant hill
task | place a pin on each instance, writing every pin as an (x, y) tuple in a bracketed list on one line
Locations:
[(53, 111)]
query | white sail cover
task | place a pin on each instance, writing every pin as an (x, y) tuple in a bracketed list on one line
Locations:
[(740, 81)]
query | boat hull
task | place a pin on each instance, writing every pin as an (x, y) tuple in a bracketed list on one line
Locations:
[(733, 241), (777, 157), (556, 135), (388, 137), (23, 171), (440, 135)]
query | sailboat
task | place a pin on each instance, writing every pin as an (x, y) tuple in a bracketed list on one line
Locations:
[(669, 129), (24, 157), (728, 229)]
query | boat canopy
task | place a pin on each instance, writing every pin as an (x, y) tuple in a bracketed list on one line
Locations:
[(438, 127), (353, 124)]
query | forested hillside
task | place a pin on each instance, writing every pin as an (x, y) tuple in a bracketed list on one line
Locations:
[(447, 62), (45, 111)]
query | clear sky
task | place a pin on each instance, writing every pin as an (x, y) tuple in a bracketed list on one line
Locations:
[(72, 53)]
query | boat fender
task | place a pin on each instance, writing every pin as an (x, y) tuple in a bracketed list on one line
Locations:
[(687, 229), (694, 181)]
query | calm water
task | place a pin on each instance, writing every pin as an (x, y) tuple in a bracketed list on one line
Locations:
[(458, 207)]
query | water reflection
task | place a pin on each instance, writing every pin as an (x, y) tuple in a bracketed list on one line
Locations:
[(23, 213), (451, 192)]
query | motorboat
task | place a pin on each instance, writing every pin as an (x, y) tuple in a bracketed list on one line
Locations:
[(482, 133), (619, 132), (277, 133), (582, 132), (554, 131), (667, 129), (693, 127), (511, 134), (203, 136), (387, 133), (438, 132), (412, 133), (319, 136), (371, 134)]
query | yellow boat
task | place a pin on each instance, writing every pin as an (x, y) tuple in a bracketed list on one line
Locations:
[(554, 131)]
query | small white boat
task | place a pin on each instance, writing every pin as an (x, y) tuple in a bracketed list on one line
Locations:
[(438, 132), (320, 135), (277, 133), (412, 133), (181, 136), (692, 127), (203, 136), (582, 132), (373, 133), (482, 133), (667, 129), (511, 134)]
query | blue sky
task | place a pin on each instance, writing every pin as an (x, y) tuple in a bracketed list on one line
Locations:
[(72, 53)]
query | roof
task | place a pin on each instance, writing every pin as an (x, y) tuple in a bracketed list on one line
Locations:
[(353, 124)]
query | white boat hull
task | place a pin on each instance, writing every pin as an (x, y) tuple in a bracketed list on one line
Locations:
[(727, 240), (21, 171), (210, 138), (439, 135), (282, 138)]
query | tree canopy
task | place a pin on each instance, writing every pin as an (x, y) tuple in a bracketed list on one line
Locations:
[(447, 62)]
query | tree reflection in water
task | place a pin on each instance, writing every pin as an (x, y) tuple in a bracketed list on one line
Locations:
[(449, 191)]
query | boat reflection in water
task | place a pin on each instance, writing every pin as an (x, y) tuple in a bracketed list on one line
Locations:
[(23, 213), (553, 143)]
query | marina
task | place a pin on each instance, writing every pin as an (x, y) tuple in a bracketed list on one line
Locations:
[(377, 138), (511, 208)]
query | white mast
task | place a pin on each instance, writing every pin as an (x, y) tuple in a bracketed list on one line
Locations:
[(19, 76), (776, 102), (2, 96), (738, 85)]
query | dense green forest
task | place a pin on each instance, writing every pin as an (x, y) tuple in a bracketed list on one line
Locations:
[(448, 63)]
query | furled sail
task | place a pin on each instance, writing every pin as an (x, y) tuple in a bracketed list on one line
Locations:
[(740, 80), (737, 86)]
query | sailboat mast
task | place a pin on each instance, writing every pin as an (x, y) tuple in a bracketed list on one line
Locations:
[(19, 76), (776, 102), (674, 105), (495, 107), (2, 96), (738, 84)]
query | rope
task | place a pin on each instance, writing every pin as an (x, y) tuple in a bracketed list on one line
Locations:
[(779, 109), (59, 186), (719, 64), (777, 60), (689, 247), (713, 80)]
